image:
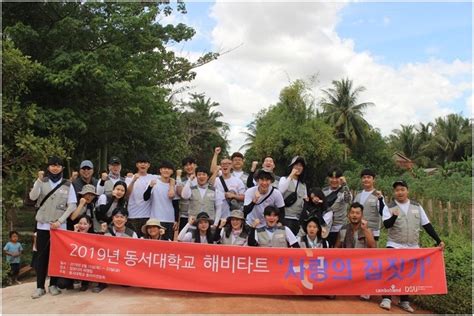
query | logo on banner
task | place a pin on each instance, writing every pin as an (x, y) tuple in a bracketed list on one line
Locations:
[(391, 289)]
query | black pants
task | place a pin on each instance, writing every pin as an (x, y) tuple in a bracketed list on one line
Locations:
[(292, 224), (136, 224), (332, 238), (42, 259), (182, 222), (15, 269), (169, 232), (403, 298)]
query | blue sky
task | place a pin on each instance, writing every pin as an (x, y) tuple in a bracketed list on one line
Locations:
[(415, 59)]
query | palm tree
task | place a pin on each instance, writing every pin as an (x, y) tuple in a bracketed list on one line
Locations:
[(406, 140), (340, 109), (249, 135), (452, 136)]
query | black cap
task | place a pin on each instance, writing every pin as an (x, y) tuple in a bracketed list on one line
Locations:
[(400, 183), (166, 164), (264, 174), (55, 160), (143, 158), (120, 210), (367, 172), (203, 216), (335, 172), (187, 160), (114, 160)]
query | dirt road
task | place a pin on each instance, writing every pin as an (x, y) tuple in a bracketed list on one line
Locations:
[(129, 300)]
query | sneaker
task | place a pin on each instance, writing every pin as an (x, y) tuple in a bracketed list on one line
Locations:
[(99, 287), (53, 290), (84, 287), (386, 304), (405, 305), (38, 293), (364, 297)]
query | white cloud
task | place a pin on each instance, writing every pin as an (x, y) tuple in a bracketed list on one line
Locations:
[(281, 41)]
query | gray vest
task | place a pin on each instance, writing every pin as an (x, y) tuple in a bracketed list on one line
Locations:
[(54, 208), (371, 211), (406, 229), (339, 207), (199, 204), (239, 241), (109, 186), (294, 211), (183, 204), (359, 241), (278, 239)]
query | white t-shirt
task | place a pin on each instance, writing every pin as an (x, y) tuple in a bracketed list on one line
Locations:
[(161, 204), (404, 208), (276, 199), (137, 206), (233, 184)]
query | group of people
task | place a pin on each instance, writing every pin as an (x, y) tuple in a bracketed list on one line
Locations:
[(222, 204)]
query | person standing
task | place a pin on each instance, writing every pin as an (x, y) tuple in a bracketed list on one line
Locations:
[(338, 197), (86, 176), (189, 165), (294, 193), (139, 209), (164, 201), (56, 200), (237, 167), (107, 181), (404, 219), (267, 164), (230, 187), (312, 237), (203, 197), (372, 200), (259, 197), (13, 250)]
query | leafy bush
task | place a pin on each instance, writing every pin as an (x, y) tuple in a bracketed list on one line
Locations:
[(457, 257), (5, 273)]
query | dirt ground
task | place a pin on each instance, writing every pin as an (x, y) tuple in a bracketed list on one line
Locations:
[(128, 300)]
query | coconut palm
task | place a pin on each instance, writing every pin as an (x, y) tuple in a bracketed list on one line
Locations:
[(341, 110), (452, 137)]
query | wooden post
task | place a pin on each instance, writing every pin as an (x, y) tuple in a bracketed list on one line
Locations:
[(460, 224), (440, 216), (430, 209), (450, 218)]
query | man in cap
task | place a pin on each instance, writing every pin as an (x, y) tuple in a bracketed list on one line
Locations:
[(294, 193), (404, 218), (338, 197), (372, 200), (139, 209), (259, 197), (107, 181), (56, 200), (164, 201), (86, 172)]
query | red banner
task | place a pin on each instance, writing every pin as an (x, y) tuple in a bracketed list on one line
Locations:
[(246, 270)]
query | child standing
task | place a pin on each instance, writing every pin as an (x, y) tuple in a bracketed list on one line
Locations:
[(13, 250)]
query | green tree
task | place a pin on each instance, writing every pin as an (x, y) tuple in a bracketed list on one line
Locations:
[(342, 111), (110, 82), (290, 128), (24, 151), (452, 138), (405, 140), (202, 127)]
